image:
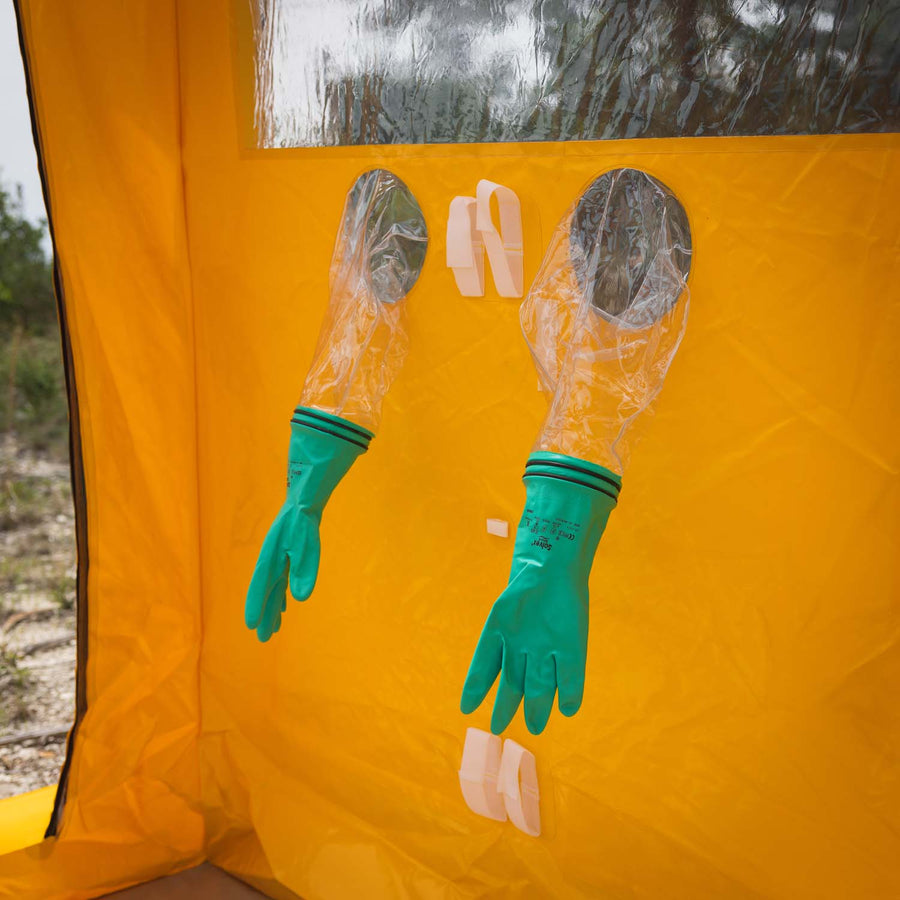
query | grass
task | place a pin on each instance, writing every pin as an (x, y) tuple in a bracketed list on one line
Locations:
[(32, 393), (23, 501), (13, 571), (62, 590), (14, 682), (33, 427)]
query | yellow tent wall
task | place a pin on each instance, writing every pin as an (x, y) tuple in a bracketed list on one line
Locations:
[(739, 737)]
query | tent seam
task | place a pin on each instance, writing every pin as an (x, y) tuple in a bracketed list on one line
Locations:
[(194, 371)]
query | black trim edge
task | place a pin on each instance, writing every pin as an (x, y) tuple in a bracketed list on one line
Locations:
[(593, 487), (342, 437), (546, 462), (349, 426)]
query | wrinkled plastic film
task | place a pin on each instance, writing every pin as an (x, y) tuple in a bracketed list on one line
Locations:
[(607, 312), (378, 255), (337, 72)]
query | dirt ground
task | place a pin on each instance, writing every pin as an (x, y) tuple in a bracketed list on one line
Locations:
[(37, 619)]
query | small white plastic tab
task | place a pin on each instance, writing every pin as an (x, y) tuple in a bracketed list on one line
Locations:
[(519, 787), (465, 248), (499, 527), (504, 244), (479, 772)]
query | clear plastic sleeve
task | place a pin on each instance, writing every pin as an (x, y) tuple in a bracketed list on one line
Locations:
[(378, 255), (607, 312)]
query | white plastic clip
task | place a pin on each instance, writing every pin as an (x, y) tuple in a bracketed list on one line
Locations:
[(465, 249), (498, 527), (503, 245), (519, 786), (479, 772)]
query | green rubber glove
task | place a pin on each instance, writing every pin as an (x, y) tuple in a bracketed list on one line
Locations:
[(535, 636), (323, 447)]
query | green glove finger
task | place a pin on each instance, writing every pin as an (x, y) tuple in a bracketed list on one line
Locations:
[(505, 705), (276, 603), (270, 626), (254, 606), (264, 577), (271, 619), (510, 688), (537, 711), (269, 568), (278, 616), (304, 565), (483, 670), (540, 689), (279, 613), (570, 678)]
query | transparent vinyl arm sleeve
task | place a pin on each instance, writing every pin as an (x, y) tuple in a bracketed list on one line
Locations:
[(378, 255), (607, 312)]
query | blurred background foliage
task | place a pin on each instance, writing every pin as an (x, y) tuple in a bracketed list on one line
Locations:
[(33, 408)]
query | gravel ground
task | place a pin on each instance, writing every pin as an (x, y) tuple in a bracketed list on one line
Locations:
[(37, 619)]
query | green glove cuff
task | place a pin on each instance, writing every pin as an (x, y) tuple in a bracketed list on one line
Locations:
[(322, 449), (568, 502)]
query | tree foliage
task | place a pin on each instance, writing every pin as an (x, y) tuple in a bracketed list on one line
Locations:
[(32, 386), (26, 285)]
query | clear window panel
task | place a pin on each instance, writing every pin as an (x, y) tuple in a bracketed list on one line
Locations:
[(338, 72)]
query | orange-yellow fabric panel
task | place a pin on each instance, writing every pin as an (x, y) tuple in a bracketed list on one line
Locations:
[(24, 818), (105, 78), (739, 735)]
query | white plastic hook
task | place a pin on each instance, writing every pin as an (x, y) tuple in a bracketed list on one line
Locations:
[(471, 232), (479, 773), (519, 787), (465, 249), (503, 244), (499, 779)]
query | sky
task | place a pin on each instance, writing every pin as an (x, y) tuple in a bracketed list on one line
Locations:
[(18, 163)]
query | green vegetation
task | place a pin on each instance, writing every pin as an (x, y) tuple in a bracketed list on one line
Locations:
[(26, 500), (26, 290), (14, 682), (13, 570), (63, 590), (18, 504), (32, 388), (37, 540)]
